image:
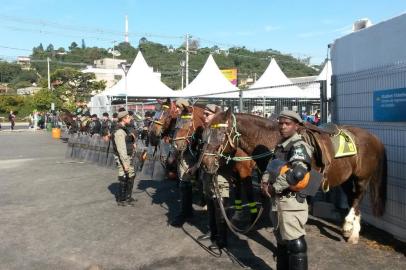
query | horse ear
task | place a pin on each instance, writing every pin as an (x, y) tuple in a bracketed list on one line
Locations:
[(228, 113)]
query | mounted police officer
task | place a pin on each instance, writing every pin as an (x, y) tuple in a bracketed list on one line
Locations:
[(123, 144), (288, 170), (95, 126)]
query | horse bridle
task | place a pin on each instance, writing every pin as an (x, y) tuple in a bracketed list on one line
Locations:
[(190, 130), (230, 139), (159, 120)]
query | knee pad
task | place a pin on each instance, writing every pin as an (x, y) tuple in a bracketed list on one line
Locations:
[(297, 245)]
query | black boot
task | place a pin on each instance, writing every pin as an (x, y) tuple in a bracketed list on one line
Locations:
[(282, 257), (129, 199), (297, 254), (186, 203), (211, 211), (122, 191)]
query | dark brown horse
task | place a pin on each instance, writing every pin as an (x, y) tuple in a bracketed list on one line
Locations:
[(257, 136), (188, 133)]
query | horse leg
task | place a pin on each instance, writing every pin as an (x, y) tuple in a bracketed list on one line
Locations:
[(349, 219), (361, 186)]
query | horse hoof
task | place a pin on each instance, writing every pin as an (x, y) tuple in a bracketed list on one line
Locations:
[(353, 240), (347, 234)]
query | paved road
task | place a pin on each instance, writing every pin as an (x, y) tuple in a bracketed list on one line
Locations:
[(60, 214)]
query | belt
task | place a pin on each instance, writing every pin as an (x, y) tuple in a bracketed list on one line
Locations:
[(288, 193)]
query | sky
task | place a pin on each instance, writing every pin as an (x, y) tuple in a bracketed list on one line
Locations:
[(298, 27)]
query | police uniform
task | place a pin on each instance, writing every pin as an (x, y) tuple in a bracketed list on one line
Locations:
[(95, 126), (289, 211), (123, 150), (105, 126), (217, 224), (185, 180)]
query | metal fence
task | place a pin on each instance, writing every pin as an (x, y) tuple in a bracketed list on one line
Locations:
[(353, 95)]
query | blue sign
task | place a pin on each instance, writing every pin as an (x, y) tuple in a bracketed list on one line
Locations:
[(390, 105)]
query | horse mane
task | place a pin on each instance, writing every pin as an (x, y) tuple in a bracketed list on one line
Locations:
[(258, 121)]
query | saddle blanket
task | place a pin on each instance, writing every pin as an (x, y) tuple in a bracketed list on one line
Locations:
[(343, 144)]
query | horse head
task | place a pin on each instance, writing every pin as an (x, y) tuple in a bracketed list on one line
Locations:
[(189, 124), (218, 140), (163, 121)]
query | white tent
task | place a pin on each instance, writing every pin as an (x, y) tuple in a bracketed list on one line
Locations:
[(210, 80), (273, 76), (313, 91), (142, 82)]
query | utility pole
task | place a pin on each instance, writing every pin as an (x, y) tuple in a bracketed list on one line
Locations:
[(182, 69), (49, 76), (114, 48), (187, 59)]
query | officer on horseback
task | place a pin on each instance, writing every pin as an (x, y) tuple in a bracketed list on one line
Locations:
[(123, 145), (285, 174)]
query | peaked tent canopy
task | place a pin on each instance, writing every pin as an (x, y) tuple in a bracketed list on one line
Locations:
[(273, 76), (325, 74), (141, 82), (210, 80)]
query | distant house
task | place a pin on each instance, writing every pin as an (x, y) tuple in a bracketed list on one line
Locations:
[(106, 69), (24, 62), (4, 88), (31, 90)]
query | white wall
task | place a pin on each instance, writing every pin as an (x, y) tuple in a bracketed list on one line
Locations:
[(378, 45)]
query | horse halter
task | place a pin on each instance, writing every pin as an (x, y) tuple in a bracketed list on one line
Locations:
[(159, 120), (231, 140), (188, 120)]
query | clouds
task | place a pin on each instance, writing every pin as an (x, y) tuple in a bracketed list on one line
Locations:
[(342, 31)]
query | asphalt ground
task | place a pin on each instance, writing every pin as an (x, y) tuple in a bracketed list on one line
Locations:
[(57, 213)]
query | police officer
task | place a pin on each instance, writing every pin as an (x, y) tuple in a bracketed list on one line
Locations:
[(289, 207), (217, 223), (95, 126), (105, 125), (185, 178), (114, 123), (123, 149)]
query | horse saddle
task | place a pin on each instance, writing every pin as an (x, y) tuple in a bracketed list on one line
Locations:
[(343, 144)]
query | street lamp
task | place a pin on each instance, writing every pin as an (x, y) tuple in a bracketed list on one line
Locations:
[(125, 67)]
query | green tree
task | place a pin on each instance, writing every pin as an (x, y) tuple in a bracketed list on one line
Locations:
[(50, 48), (72, 85), (8, 71), (42, 100), (73, 46)]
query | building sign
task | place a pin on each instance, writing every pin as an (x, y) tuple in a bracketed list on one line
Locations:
[(390, 105), (231, 75)]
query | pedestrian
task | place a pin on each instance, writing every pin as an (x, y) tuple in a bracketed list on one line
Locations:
[(11, 118), (123, 149), (289, 207), (105, 126)]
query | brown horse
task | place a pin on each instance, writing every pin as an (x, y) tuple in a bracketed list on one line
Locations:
[(189, 131), (66, 117), (258, 136), (163, 123)]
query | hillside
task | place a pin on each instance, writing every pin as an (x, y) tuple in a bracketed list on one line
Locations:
[(167, 59)]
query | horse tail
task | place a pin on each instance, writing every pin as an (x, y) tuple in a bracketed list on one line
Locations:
[(379, 186)]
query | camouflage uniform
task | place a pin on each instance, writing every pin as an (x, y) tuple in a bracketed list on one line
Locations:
[(123, 149), (289, 211)]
